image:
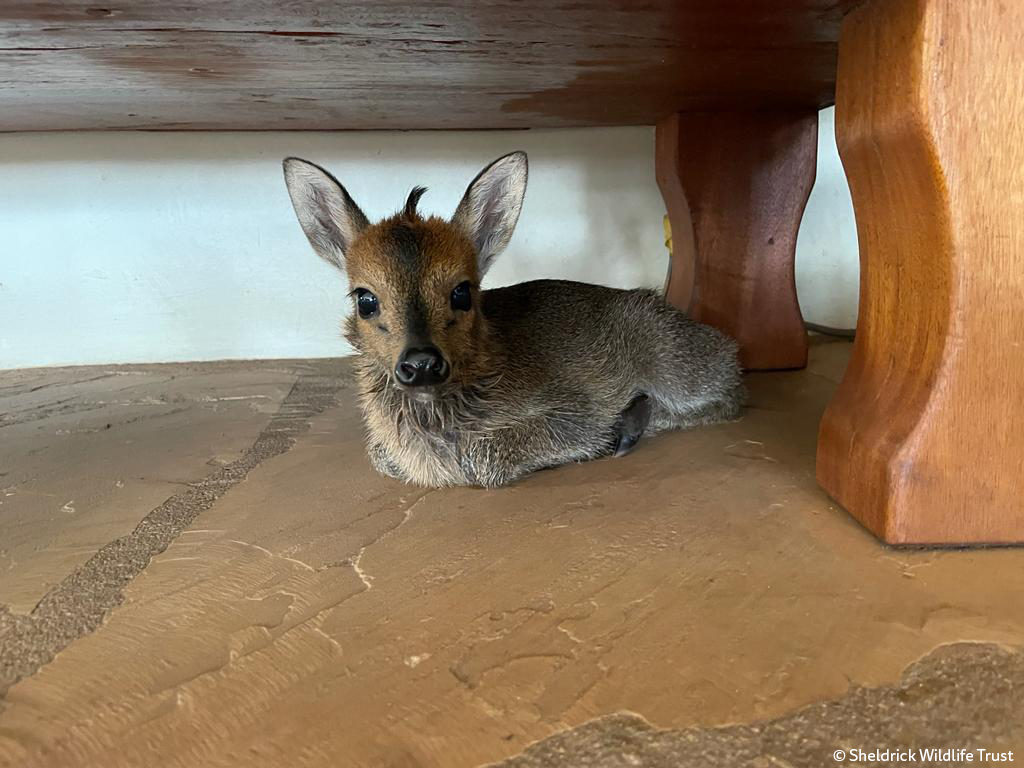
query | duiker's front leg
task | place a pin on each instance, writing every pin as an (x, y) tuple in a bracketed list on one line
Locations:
[(382, 462)]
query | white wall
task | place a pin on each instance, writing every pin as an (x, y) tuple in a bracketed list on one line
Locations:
[(827, 264), (135, 247)]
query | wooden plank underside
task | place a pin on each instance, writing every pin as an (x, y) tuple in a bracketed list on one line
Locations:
[(230, 64)]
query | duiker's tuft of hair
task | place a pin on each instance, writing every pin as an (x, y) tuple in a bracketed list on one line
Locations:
[(409, 211)]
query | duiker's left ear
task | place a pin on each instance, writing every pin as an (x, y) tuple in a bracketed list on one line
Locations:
[(490, 208), (328, 215)]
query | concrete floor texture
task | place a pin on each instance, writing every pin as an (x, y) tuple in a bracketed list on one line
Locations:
[(198, 567)]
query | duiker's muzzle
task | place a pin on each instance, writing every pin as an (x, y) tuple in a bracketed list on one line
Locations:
[(422, 367)]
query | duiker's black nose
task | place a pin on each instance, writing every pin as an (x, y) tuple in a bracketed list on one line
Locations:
[(422, 367)]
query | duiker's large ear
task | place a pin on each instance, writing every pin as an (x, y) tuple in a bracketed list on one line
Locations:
[(490, 208), (329, 217)]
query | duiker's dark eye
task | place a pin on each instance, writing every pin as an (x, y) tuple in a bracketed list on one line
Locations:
[(462, 297), (367, 303)]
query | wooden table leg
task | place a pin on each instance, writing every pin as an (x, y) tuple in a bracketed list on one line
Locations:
[(924, 441), (735, 185)]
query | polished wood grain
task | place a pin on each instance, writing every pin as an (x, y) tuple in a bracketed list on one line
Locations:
[(735, 185), (924, 441), (305, 64)]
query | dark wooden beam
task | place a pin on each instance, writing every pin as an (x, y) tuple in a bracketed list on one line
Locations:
[(263, 64)]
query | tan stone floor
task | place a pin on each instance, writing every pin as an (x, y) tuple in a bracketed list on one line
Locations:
[(198, 567)]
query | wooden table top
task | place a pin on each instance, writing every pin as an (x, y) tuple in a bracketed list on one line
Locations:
[(299, 64)]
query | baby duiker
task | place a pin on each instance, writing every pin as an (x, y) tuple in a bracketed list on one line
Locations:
[(464, 386)]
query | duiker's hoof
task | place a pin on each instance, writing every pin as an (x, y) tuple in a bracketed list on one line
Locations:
[(632, 423)]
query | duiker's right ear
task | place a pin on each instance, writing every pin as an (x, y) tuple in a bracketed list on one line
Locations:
[(329, 217)]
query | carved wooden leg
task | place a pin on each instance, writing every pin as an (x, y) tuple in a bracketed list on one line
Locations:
[(924, 441), (735, 185)]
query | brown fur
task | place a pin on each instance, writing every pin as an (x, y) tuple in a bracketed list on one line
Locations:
[(448, 260)]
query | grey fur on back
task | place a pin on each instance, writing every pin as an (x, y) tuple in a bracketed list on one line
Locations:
[(566, 359)]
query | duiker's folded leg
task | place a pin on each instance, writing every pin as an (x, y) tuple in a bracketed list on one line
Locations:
[(382, 462), (632, 425), (544, 442)]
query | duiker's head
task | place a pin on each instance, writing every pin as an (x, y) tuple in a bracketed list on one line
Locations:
[(414, 280)]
